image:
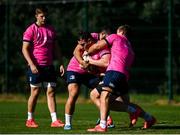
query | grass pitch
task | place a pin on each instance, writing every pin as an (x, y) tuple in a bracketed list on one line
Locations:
[(13, 115)]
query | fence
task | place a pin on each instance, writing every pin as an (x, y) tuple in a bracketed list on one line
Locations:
[(156, 65)]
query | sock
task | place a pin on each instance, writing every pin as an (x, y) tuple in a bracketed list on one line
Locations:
[(131, 109), (147, 117), (53, 116), (30, 115), (108, 117), (103, 124), (68, 119)]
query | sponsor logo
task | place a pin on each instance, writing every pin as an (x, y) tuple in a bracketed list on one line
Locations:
[(30, 79), (111, 84), (72, 77)]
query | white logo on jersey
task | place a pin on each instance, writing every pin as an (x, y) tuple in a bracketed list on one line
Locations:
[(45, 39)]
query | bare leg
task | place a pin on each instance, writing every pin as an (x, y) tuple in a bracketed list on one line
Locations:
[(95, 97), (73, 90), (33, 99), (51, 101), (104, 106)]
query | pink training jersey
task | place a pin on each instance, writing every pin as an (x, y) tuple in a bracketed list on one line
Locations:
[(95, 36), (75, 66), (122, 54), (42, 41)]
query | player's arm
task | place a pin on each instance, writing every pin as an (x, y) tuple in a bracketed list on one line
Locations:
[(103, 62), (97, 46), (78, 52), (27, 56), (58, 55)]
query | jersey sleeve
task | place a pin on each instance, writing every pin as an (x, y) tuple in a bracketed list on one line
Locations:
[(95, 36), (104, 52), (28, 35), (109, 40)]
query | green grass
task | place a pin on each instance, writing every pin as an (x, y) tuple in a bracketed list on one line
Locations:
[(13, 115)]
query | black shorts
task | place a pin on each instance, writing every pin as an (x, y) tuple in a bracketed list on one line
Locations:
[(46, 74), (89, 80), (116, 81)]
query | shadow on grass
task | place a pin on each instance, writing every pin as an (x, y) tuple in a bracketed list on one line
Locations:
[(166, 127)]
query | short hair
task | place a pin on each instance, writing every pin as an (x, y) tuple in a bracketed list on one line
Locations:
[(126, 30), (85, 35), (40, 10), (106, 31)]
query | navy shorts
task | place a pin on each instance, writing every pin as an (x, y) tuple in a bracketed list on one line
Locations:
[(116, 81), (46, 74), (89, 80)]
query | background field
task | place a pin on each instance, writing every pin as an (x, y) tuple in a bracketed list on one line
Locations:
[(156, 70), (13, 116), (155, 41)]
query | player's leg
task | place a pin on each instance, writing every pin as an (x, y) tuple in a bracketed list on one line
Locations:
[(49, 78), (149, 119), (95, 97), (74, 81), (133, 110), (91, 82), (121, 89), (104, 109), (32, 101), (96, 91), (73, 90), (51, 101), (119, 85), (34, 82), (110, 81)]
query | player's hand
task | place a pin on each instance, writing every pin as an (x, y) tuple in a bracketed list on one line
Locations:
[(61, 70), (34, 69), (86, 57), (84, 64), (85, 53)]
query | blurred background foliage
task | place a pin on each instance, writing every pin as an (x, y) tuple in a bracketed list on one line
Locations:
[(148, 18)]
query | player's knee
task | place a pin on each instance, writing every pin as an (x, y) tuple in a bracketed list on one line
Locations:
[(35, 91), (105, 95), (73, 93), (73, 96), (91, 94), (94, 95), (50, 92)]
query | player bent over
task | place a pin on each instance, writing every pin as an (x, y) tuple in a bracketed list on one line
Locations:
[(77, 76), (116, 76)]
